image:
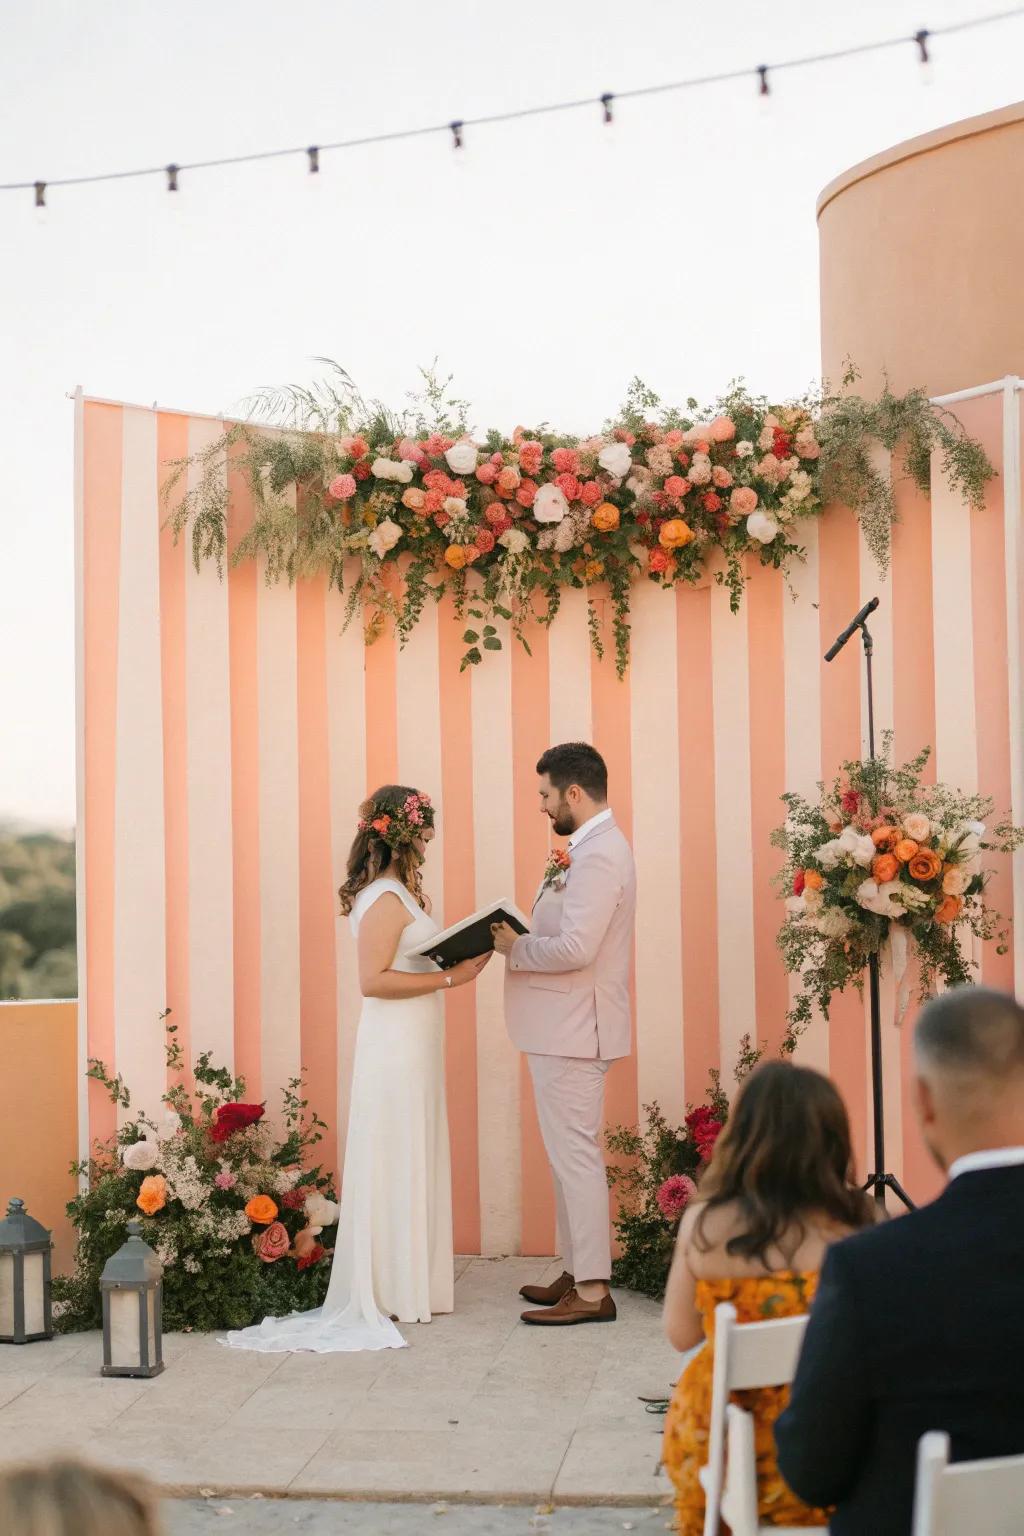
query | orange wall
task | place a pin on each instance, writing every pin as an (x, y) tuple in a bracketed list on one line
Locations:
[(922, 251), (39, 1113)]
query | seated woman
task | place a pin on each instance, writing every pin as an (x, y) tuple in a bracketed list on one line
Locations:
[(778, 1190)]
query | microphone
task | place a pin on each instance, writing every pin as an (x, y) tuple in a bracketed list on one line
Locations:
[(851, 628)]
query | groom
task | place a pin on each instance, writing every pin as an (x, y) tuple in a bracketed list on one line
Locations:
[(567, 1005)]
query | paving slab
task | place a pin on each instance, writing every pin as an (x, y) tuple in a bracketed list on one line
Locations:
[(219, 1517)]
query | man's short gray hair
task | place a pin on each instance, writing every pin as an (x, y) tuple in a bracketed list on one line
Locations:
[(972, 1030)]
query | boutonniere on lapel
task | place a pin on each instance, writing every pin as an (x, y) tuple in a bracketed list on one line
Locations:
[(556, 869)]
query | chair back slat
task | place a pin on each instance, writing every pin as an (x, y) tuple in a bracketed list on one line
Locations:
[(764, 1354), (985, 1498)]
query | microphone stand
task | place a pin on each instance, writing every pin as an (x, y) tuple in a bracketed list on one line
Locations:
[(878, 1181)]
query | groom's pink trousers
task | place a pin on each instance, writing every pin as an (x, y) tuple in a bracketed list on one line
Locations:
[(569, 1092)]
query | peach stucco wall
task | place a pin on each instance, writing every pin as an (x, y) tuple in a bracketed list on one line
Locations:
[(922, 256), (39, 1113)]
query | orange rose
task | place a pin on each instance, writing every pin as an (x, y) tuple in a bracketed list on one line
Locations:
[(948, 909), (885, 838), (885, 866), (414, 499), (905, 849), (925, 864), (606, 517), (455, 556), (152, 1195), (675, 533), (262, 1210), (813, 881)]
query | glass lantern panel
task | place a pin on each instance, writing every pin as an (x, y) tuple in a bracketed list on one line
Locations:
[(35, 1310), (125, 1347), (151, 1323), (7, 1294)]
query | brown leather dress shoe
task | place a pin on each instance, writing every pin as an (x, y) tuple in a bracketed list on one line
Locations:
[(547, 1295), (573, 1309)]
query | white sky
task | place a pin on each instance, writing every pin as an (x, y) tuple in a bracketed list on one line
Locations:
[(548, 264)]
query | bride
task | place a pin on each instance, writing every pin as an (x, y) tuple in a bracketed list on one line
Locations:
[(393, 1260)]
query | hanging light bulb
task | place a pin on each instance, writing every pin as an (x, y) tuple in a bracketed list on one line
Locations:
[(927, 70), (40, 202), (764, 90)]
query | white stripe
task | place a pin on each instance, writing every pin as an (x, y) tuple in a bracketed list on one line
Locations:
[(140, 977), (418, 693), (80, 923), (569, 659), (731, 693), (956, 744), (208, 759), (498, 1108), (1014, 562), (656, 842), (346, 721), (801, 630), (279, 835)]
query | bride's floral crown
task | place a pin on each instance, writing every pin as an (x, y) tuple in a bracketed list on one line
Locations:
[(398, 827)]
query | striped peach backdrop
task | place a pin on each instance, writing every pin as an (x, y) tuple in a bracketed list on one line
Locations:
[(227, 731)]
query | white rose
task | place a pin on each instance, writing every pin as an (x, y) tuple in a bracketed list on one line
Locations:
[(796, 906), (762, 527), (833, 923), (384, 537), (514, 540), (864, 852), (969, 843), (454, 506), (697, 434), (917, 826), (744, 449), (462, 458), (170, 1124), (393, 469), (829, 854), (141, 1155), (321, 1212), (878, 898), (550, 505), (616, 459)]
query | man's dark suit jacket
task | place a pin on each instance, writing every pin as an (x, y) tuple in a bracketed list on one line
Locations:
[(918, 1324)]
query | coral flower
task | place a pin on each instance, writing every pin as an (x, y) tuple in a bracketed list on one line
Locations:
[(925, 865), (455, 556), (152, 1196), (885, 866), (675, 533), (813, 880), (905, 849), (948, 909), (885, 838), (606, 517), (262, 1210)]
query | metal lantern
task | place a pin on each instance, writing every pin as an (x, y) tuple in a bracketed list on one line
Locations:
[(25, 1247), (132, 1288)]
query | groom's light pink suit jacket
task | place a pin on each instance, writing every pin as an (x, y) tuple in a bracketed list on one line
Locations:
[(567, 980)]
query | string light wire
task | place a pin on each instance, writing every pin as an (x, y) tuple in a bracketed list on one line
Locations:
[(455, 128)]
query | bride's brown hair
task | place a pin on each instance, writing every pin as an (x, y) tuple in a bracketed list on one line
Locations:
[(372, 855)]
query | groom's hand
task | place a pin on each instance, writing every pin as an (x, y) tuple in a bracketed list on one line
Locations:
[(504, 937)]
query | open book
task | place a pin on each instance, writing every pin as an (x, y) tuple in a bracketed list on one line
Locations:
[(471, 937)]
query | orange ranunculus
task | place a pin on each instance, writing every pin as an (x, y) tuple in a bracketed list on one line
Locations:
[(885, 838), (885, 866), (606, 517), (813, 881), (948, 909), (152, 1196), (262, 1210), (675, 533), (455, 556), (905, 849), (925, 865)]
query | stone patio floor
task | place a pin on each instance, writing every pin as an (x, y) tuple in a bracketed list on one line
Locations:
[(479, 1408)]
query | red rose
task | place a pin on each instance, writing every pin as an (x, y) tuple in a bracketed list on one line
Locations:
[(706, 1139), (659, 561), (359, 447), (314, 1256), (850, 803), (712, 501), (798, 883), (643, 518), (361, 470), (569, 486), (782, 446), (230, 1118), (295, 1199)]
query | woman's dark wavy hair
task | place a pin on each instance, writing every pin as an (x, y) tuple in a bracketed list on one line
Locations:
[(784, 1157), (370, 856)]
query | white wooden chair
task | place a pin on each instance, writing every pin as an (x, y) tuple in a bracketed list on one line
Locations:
[(746, 1355), (985, 1498)]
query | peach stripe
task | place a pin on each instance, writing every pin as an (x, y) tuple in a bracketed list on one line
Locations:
[(140, 966), (208, 747), (245, 792), (530, 724), (317, 1006), (766, 595), (81, 843), (698, 846), (458, 814), (172, 445), (730, 681), (498, 1111), (103, 461), (659, 957), (839, 587)]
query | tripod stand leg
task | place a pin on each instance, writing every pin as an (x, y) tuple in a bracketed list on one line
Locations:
[(891, 1182)]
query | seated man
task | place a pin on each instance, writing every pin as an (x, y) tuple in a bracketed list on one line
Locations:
[(918, 1323)]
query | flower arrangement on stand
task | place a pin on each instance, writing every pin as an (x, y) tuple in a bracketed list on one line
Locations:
[(884, 861), (419, 506), (659, 1178), (237, 1212)]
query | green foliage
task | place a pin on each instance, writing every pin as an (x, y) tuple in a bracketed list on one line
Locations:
[(37, 916)]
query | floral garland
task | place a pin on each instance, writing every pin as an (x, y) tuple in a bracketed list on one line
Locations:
[(884, 859), (504, 523)]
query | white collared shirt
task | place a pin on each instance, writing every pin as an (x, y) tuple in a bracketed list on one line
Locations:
[(997, 1157), (595, 821)]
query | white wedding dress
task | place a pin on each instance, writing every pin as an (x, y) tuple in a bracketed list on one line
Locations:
[(394, 1255)]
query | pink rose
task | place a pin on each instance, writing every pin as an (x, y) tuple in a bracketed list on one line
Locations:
[(743, 501), (721, 477), (722, 429), (674, 439), (676, 486), (342, 487), (569, 486), (675, 1195), (409, 450), (272, 1243), (487, 473), (591, 493), (566, 461)]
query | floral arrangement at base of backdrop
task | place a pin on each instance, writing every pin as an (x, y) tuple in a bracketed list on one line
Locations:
[(239, 1218), (879, 864), (661, 1175), (504, 523)]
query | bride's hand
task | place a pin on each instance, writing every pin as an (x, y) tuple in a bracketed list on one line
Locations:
[(468, 970)]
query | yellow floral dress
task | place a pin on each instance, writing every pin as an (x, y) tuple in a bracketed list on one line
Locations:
[(786, 1294)]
